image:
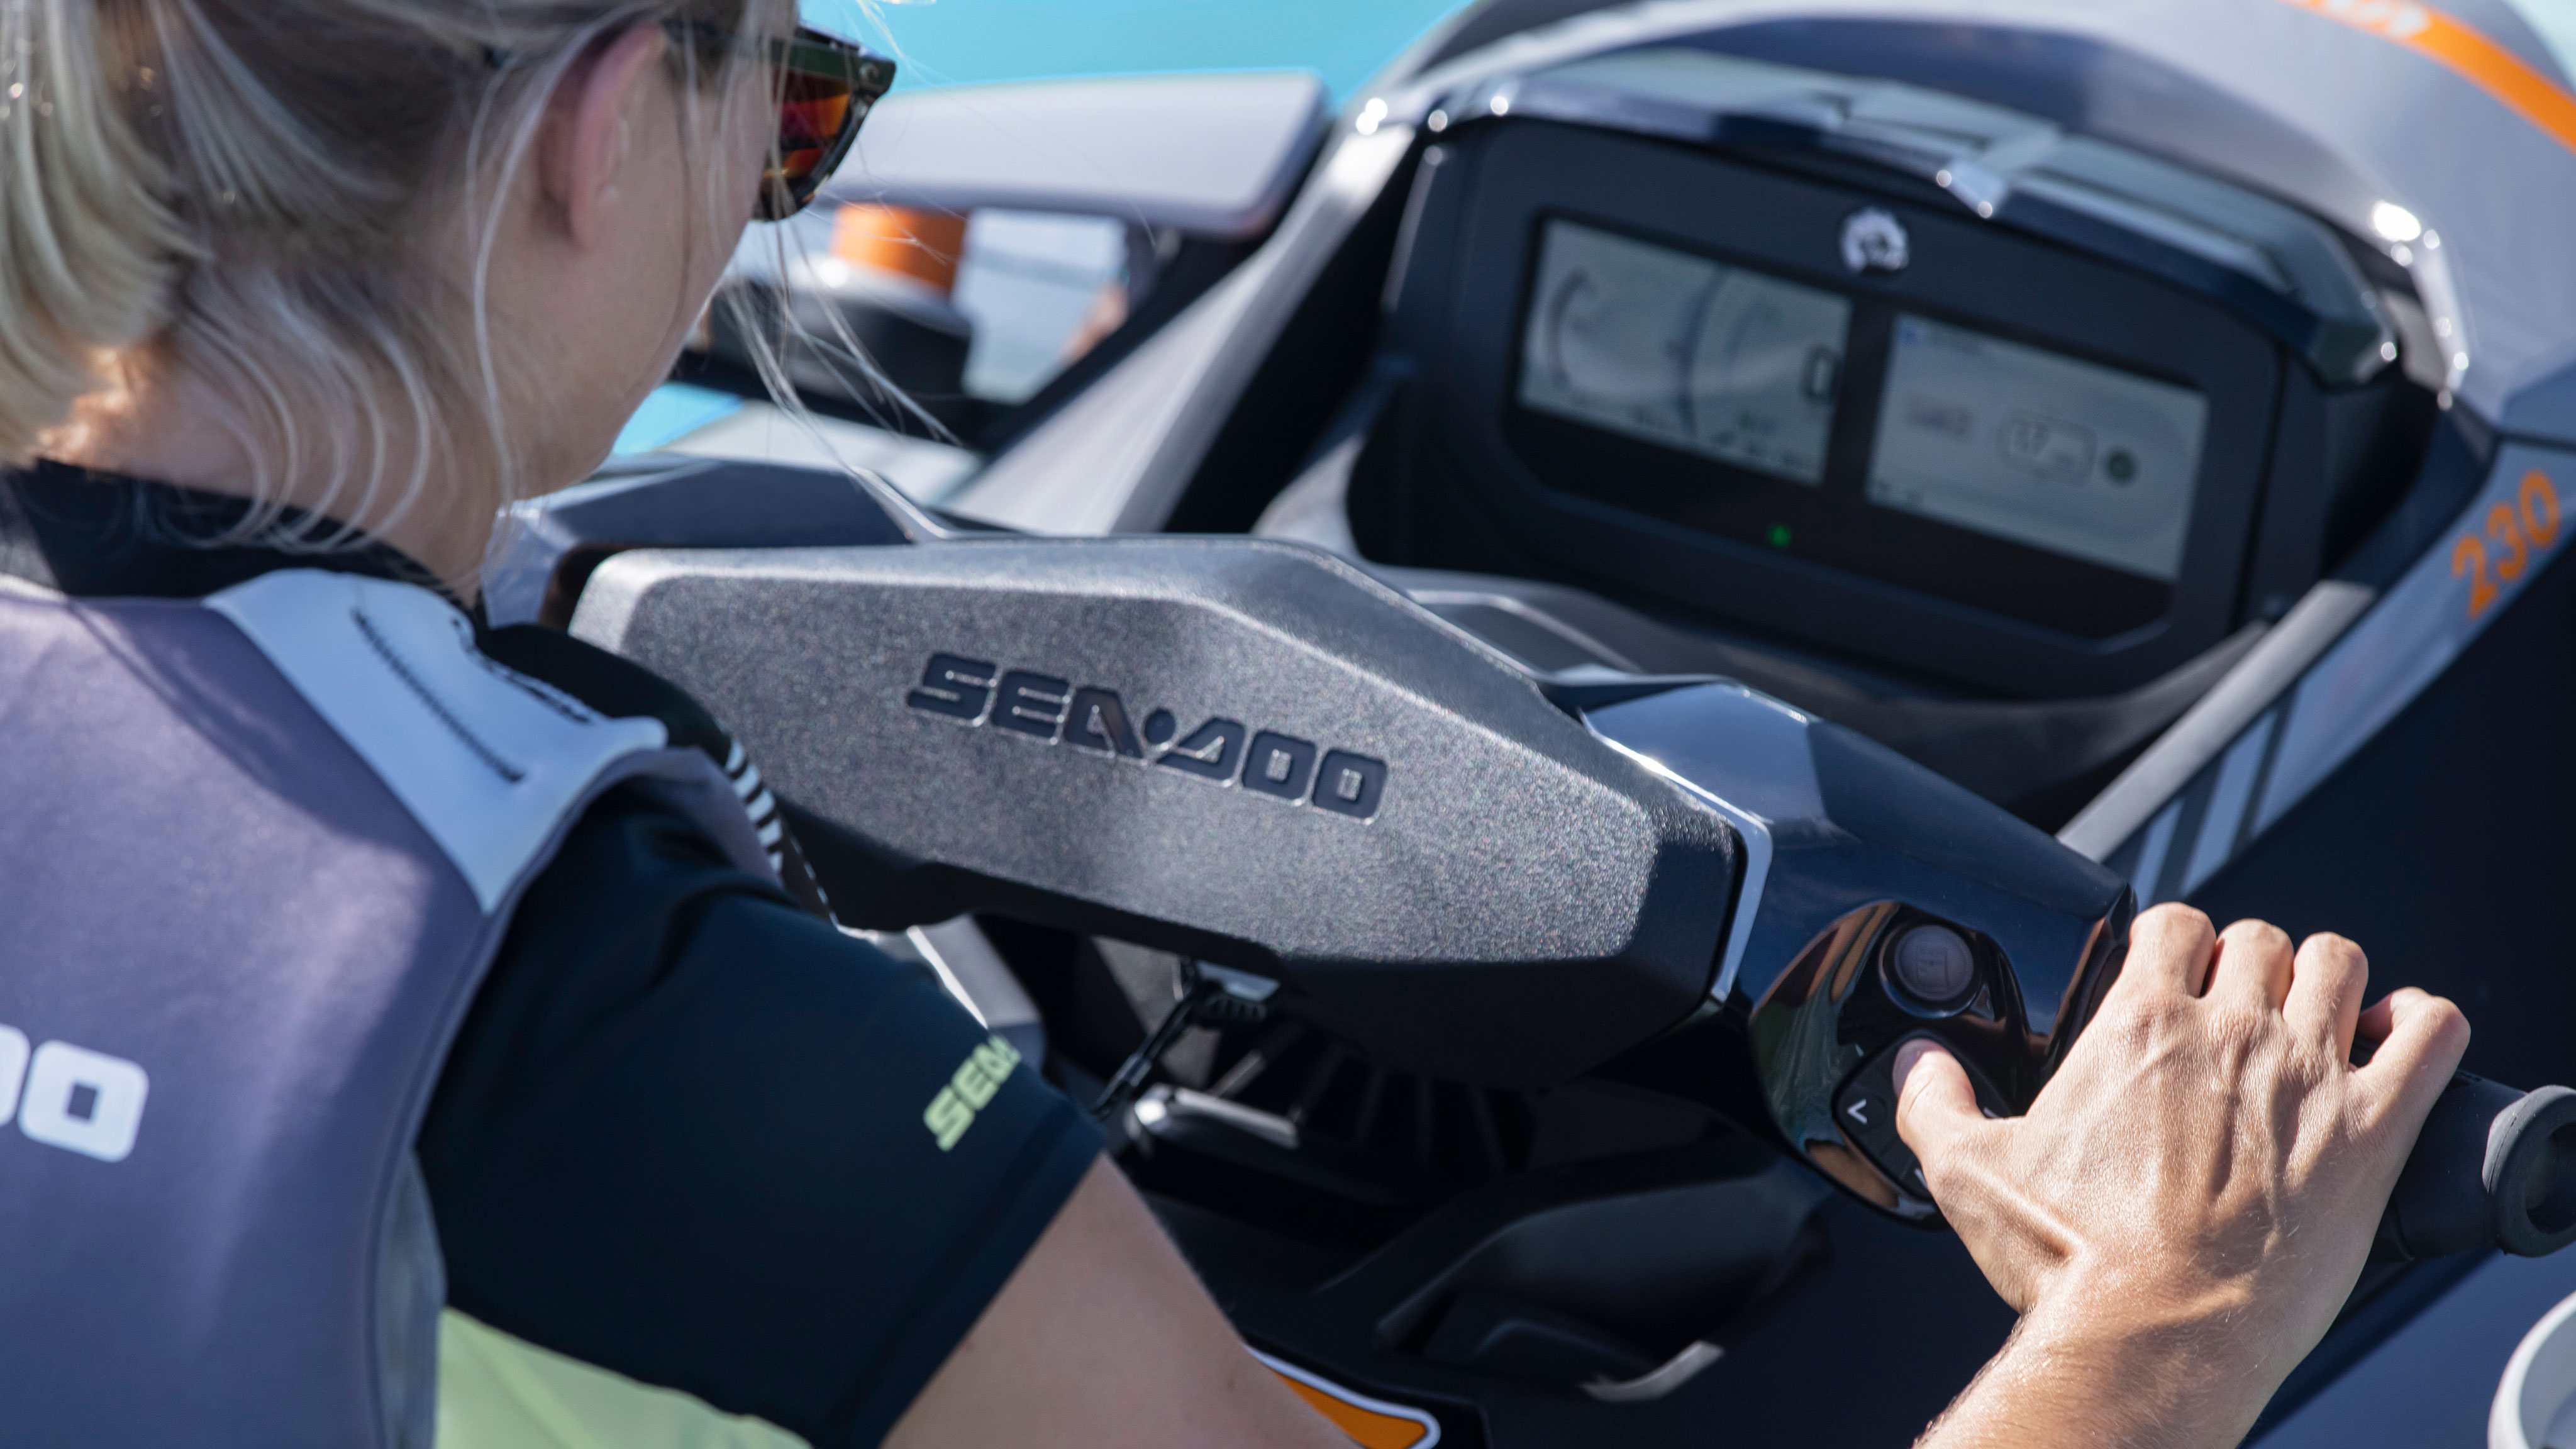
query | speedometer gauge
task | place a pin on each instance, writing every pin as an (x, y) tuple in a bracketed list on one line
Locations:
[(1615, 322), (1764, 372), (1682, 351)]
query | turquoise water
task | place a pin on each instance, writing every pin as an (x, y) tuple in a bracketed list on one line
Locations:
[(952, 42), (672, 412)]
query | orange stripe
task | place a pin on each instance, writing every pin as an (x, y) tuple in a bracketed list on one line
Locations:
[(1367, 1427), (2466, 53)]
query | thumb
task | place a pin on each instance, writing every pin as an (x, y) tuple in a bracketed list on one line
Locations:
[(1935, 1106)]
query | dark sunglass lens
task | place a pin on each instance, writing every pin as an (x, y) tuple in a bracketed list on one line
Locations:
[(824, 93), (810, 127)]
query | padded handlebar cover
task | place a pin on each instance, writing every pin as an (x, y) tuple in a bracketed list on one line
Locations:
[(1241, 750)]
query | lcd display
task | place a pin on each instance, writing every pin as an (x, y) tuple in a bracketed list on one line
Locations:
[(1682, 351), (2027, 445)]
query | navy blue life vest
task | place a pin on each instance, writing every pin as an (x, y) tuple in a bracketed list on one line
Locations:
[(255, 855)]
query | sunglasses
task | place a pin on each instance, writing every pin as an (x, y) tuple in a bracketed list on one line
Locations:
[(825, 87)]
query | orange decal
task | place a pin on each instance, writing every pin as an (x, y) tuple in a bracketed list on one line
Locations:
[(2538, 496), (2468, 556), (1367, 1428), (2508, 541), (2517, 530), (1370, 1423), (2465, 52)]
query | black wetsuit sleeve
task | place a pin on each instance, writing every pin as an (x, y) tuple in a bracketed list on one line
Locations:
[(696, 1135)]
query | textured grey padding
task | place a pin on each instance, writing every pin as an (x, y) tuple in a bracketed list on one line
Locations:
[(668, 502), (1518, 903), (210, 902)]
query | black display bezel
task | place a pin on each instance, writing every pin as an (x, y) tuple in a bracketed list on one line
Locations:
[(1894, 585), (1842, 527)]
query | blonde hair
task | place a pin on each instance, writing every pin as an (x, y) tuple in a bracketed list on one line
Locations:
[(245, 196)]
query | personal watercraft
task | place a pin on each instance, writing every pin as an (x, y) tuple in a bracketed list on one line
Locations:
[(1684, 545)]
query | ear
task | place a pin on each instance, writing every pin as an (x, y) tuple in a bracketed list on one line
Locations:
[(582, 145)]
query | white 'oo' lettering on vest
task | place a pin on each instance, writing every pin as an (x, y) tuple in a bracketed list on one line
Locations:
[(71, 1097)]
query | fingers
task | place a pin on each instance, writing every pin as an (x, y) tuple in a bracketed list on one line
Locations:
[(2421, 1040), (2169, 952), (1935, 1106), (2327, 979), (2377, 1020), (2252, 967)]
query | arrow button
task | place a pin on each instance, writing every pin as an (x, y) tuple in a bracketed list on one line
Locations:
[(1867, 1107)]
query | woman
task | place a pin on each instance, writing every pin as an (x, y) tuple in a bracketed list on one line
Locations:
[(346, 973), (340, 277)]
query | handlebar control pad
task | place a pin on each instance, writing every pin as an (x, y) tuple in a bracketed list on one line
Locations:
[(1866, 1112), (1240, 750)]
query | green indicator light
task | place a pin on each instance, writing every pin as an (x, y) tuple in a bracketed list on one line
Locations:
[(1779, 535)]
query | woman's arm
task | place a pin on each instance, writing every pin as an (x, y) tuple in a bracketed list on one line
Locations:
[(1104, 1337)]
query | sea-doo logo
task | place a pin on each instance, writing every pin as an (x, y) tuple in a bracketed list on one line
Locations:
[(1049, 709), (1875, 241), (964, 1094), (74, 1098)]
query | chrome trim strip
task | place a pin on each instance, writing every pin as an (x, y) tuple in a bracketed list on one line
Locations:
[(1756, 836), (2267, 671)]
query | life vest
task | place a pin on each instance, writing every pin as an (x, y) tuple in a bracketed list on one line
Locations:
[(255, 855)]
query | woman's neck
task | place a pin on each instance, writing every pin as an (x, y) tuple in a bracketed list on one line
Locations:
[(171, 434)]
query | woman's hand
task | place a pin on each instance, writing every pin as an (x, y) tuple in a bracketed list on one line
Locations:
[(2188, 1203)]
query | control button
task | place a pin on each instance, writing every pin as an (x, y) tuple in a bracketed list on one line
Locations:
[(1900, 1163), (1865, 1109), (1933, 965), (1868, 1118), (1868, 1113)]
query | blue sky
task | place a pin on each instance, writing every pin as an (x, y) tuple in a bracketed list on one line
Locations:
[(949, 42)]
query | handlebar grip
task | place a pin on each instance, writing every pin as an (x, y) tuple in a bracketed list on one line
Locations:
[(2493, 1168)]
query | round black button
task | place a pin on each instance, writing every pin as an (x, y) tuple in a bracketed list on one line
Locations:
[(1933, 965)]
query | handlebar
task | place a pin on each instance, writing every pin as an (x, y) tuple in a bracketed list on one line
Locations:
[(1325, 758), (2493, 1168)]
